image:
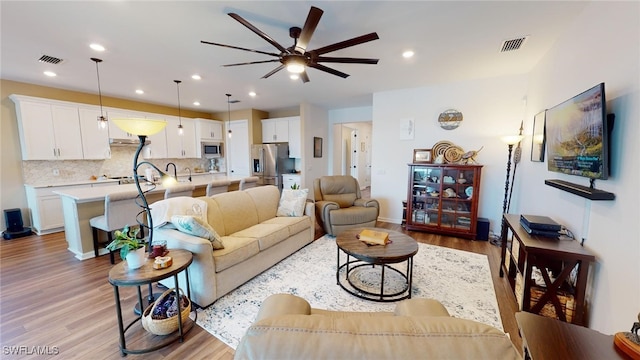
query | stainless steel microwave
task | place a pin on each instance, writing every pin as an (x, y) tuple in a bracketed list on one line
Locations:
[(211, 150)]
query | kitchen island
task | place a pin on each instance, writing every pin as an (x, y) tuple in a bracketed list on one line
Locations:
[(82, 204)]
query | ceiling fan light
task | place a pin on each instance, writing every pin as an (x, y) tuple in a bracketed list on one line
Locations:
[(295, 66)]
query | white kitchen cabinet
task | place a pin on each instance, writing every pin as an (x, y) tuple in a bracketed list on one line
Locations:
[(288, 180), (157, 148), (46, 208), (181, 146), (295, 143), (238, 156), (209, 130), (95, 140), (47, 131), (275, 130)]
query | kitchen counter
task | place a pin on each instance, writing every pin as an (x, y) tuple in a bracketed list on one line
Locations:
[(81, 204)]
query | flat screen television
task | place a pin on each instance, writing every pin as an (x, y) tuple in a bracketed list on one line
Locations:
[(577, 135)]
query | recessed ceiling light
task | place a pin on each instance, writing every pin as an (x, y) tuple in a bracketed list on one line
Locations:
[(97, 47), (50, 73), (294, 76), (139, 91), (196, 77), (252, 93), (196, 103), (407, 54)]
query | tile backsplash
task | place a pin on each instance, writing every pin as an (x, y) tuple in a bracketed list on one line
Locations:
[(40, 173)]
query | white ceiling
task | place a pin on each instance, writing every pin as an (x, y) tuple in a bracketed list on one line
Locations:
[(151, 43)]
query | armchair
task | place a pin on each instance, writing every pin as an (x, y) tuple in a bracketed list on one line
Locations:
[(340, 206)]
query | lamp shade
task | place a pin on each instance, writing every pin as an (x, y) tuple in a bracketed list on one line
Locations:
[(512, 139), (140, 126)]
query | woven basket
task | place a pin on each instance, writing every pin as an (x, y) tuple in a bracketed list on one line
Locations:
[(168, 325)]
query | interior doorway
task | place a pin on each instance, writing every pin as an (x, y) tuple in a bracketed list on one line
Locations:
[(352, 151)]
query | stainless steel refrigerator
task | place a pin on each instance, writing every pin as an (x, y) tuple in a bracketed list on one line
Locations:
[(269, 162)]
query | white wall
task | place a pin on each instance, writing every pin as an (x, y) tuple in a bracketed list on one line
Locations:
[(491, 108), (601, 46), (315, 123)]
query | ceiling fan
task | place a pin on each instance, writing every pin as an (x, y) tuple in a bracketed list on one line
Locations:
[(296, 58)]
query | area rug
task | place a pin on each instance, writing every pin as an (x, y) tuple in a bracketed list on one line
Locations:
[(460, 280)]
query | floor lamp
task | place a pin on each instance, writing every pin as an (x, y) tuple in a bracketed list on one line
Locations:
[(143, 128)]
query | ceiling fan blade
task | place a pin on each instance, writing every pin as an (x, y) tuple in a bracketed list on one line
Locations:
[(252, 62), (258, 32), (304, 77), (345, 44), (329, 70), (346, 60), (309, 27), (239, 48), (273, 71)]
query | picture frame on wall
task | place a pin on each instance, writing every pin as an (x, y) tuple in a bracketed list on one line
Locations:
[(422, 156), (538, 140), (317, 147)]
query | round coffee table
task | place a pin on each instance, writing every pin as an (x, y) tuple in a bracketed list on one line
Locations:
[(369, 275)]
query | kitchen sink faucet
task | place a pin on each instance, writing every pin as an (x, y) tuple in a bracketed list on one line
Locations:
[(175, 174), (189, 170)]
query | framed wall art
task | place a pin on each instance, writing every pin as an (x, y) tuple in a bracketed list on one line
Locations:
[(317, 147), (538, 139), (422, 156)]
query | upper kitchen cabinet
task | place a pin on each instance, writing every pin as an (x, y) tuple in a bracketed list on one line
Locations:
[(295, 144), (48, 131), (275, 130), (181, 146), (209, 130), (95, 140)]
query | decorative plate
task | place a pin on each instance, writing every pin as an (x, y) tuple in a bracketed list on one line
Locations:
[(439, 148), (469, 191), (453, 154)]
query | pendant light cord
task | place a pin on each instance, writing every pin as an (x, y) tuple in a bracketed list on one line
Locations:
[(178, 87), (99, 90), (229, 113)]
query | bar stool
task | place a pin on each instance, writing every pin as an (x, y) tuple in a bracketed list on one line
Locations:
[(217, 187), (120, 210), (248, 182), (179, 190)]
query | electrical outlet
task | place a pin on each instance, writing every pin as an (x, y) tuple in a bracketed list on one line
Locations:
[(56, 172)]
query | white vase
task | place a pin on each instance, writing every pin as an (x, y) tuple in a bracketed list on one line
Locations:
[(136, 258)]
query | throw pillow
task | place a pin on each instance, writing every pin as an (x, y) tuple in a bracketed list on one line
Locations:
[(193, 225), (292, 202)]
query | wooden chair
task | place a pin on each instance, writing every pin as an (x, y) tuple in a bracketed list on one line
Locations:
[(120, 210), (217, 187), (179, 190), (248, 182)]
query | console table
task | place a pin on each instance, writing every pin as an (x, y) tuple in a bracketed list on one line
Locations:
[(521, 252), (546, 338)]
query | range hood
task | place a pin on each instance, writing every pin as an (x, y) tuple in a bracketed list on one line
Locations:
[(127, 142)]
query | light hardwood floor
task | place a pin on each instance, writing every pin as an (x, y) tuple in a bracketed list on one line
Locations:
[(48, 298)]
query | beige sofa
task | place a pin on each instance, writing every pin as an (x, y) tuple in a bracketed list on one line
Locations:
[(254, 239), (286, 327)]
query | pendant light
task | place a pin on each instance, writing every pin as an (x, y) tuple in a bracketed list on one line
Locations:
[(180, 128), (102, 120), (229, 115)]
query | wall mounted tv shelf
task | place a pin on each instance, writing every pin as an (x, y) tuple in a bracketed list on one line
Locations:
[(584, 191)]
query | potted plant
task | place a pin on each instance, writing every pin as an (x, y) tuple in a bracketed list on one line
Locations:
[(131, 248)]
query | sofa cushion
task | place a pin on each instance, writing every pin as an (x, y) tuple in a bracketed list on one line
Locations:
[(237, 211), (236, 249), (193, 225), (292, 202), (265, 199), (266, 234), (295, 224)]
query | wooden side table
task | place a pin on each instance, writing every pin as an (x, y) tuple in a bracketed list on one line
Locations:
[(121, 275), (547, 338)]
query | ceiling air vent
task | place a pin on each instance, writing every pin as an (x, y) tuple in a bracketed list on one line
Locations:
[(513, 44), (50, 59)]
